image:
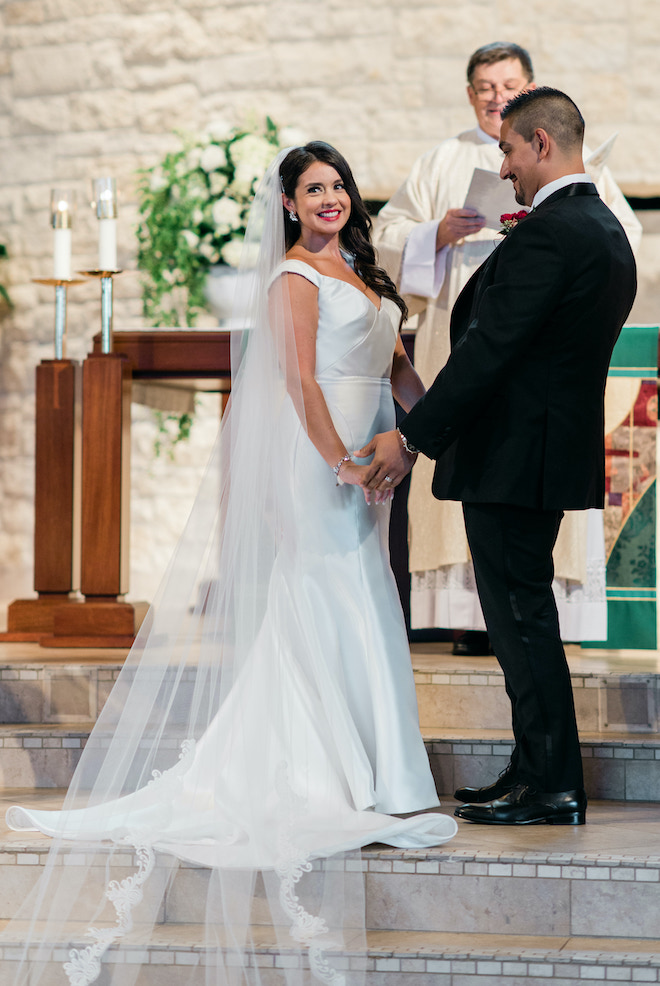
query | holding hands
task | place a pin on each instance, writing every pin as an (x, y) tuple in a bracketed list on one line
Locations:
[(392, 461), (356, 475)]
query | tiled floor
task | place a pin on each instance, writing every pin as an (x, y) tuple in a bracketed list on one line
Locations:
[(434, 941), (402, 942), (31, 653), (438, 657), (631, 829), (433, 656)]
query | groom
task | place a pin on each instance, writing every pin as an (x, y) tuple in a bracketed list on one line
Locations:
[(515, 422)]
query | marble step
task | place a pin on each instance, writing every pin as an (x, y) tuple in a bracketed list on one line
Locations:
[(175, 957), (37, 756), (613, 693), (508, 906), (48, 703), (49, 692), (617, 766), (621, 767), (597, 880)]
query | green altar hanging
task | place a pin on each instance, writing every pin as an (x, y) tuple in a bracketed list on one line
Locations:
[(630, 518)]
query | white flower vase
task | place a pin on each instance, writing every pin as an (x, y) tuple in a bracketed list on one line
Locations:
[(228, 303)]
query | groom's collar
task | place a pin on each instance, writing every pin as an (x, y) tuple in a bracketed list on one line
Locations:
[(557, 185)]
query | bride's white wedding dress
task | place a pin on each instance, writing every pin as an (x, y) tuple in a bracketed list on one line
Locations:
[(324, 707), (264, 725)]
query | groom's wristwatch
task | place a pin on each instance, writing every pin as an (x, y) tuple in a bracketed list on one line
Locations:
[(406, 444)]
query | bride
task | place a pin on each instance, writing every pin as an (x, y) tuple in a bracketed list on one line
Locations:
[(265, 719)]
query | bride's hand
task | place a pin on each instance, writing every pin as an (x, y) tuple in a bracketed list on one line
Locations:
[(355, 475)]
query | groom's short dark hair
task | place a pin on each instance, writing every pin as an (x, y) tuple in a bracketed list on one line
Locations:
[(550, 109)]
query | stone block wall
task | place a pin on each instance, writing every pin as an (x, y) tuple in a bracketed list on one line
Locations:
[(90, 89)]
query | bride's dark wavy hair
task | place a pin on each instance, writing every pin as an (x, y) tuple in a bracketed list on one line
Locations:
[(355, 237)]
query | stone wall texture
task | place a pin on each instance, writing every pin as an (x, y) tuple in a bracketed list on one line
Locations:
[(90, 89)]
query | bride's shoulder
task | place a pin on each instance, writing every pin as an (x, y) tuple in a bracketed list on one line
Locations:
[(293, 265)]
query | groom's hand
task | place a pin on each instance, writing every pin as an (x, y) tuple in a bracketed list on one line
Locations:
[(390, 461)]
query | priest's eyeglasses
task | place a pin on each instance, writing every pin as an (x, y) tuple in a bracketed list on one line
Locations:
[(488, 92)]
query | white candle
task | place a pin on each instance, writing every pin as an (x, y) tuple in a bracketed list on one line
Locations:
[(105, 194), (62, 254), (107, 244), (61, 207)]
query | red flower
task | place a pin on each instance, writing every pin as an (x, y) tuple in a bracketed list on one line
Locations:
[(510, 220)]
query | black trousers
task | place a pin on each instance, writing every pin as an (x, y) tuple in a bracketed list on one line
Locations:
[(512, 553)]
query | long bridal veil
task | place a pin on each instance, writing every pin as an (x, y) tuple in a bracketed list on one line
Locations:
[(209, 835)]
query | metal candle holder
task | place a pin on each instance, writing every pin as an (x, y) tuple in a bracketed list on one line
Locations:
[(60, 286), (106, 304)]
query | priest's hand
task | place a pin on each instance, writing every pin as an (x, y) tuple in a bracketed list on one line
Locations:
[(390, 463), (456, 225)]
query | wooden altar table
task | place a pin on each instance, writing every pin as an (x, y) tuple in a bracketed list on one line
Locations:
[(174, 354)]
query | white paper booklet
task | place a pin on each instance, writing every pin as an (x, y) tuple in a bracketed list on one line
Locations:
[(490, 195)]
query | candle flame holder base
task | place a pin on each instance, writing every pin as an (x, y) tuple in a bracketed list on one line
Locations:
[(60, 285), (105, 277)]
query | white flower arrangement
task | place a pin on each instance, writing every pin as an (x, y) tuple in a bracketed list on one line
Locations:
[(194, 208)]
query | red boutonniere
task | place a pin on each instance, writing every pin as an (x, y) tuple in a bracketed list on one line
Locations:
[(510, 220)]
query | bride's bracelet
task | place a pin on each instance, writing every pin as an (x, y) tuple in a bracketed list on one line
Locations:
[(336, 468), (406, 444)]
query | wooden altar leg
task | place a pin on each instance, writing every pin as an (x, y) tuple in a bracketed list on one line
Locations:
[(103, 619), (56, 569)]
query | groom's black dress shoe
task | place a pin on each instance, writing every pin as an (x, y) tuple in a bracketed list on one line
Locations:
[(479, 795), (472, 643), (525, 806)]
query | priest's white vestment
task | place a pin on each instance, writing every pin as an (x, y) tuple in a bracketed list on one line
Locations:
[(443, 588)]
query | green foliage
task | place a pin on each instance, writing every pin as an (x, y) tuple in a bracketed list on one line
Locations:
[(167, 440), (194, 207), (3, 290)]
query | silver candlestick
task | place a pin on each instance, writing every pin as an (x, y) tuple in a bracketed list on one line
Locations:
[(106, 304), (60, 285)]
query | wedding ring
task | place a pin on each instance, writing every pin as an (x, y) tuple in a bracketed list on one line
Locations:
[(388, 479)]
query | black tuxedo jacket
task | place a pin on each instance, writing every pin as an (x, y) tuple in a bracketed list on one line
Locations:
[(516, 415)]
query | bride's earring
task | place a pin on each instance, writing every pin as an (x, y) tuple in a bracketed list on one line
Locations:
[(293, 217)]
